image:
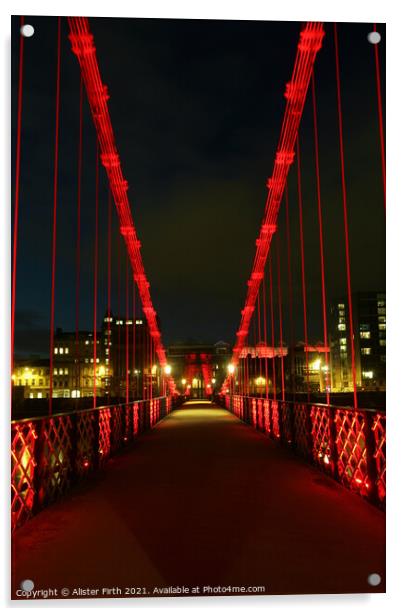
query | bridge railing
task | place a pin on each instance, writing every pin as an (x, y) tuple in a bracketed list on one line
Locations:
[(50, 454), (347, 444)]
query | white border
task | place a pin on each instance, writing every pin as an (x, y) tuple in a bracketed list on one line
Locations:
[(341, 10)]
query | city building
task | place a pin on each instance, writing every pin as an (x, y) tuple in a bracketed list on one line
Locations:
[(369, 329)]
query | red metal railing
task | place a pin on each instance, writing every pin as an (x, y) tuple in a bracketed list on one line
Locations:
[(347, 444), (49, 454)]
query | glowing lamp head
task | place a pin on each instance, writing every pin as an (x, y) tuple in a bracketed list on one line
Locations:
[(168, 370), (231, 369), (183, 381)]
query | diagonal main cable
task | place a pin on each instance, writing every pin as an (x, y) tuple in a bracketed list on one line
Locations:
[(82, 43), (296, 90)]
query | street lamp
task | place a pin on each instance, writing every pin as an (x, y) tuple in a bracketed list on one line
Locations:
[(231, 370)]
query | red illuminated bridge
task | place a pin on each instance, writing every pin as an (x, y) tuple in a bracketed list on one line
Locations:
[(259, 464)]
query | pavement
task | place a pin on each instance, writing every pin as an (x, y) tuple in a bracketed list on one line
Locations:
[(204, 500)]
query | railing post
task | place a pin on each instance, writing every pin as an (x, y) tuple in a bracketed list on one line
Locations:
[(332, 442), (96, 443), (282, 438), (74, 447), (38, 473), (370, 453), (309, 430)]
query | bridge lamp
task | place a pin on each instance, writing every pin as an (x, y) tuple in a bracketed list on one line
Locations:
[(168, 370), (231, 369), (183, 381), (213, 380)]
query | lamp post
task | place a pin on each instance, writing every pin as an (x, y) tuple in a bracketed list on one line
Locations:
[(231, 371)]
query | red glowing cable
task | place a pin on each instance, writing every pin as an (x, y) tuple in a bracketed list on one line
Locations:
[(310, 42), (134, 331), (95, 287), (109, 286), (380, 115), (54, 225), (17, 192), (265, 337), (78, 243), (271, 301), (127, 338), (83, 47), (322, 260), (345, 213), (290, 290), (303, 273), (278, 265)]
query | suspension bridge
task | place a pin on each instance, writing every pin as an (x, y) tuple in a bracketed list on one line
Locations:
[(258, 465)]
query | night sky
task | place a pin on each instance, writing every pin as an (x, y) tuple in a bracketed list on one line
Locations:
[(196, 108)]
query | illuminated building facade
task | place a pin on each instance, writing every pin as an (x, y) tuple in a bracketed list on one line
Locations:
[(369, 325)]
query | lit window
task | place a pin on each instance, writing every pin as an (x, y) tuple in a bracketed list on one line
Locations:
[(129, 322), (97, 360), (107, 351), (342, 340), (107, 360), (92, 360), (55, 371), (364, 327), (382, 342), (138, 322), (65, 370), (341, 306), (86, 341), (31, 395), (381, 311), (86, 360), (366, 351), (342, 327), (39, 394), (61, 371), (381, 304), (381, 326), (66, 350), (61, 351), (56, 351), (381, 319), (365, 335), (368, 375)]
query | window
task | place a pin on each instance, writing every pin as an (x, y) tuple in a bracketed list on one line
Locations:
[(39, 394), (381, 304), (55, 371), (33, 382), (368, 375), (382, 342), (66, 350), (86, 341), (61, 371), (61, 351), (40, 381), (365, 335), (381, 326), (56, 351), (342, 340), (366, 351), (364, 327), (342, 327), (138, 322), (341, 306), (381, 310), (381, 319), (383, 358), (86, 360)]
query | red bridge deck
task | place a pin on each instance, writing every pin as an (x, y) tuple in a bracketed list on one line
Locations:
[(205, 500)]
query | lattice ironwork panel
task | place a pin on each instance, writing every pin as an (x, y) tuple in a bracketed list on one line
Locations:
[(85, 442), (260, 414), (301, 430), (285, 410), (23, 468), (276, 432), (117, 426), (136, 419), (352, 452), (321, 437), (104, 435), (56, 460), (267, 417), (379, 430), (254, 412)]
